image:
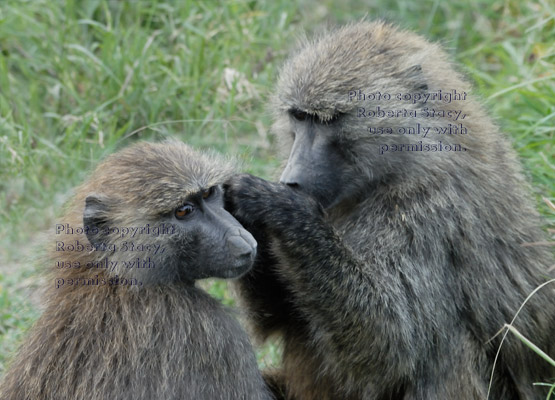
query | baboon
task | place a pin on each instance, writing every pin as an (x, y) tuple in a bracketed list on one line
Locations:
[(123, 318), (388, 274)]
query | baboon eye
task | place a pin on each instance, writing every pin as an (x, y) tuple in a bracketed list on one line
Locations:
[(183, 211), (208, 192), (299, 115), (333, 119)]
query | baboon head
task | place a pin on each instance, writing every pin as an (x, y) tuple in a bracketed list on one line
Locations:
[(331, 152), (162, 206)]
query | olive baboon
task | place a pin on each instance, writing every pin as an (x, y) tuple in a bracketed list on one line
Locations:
[(123, 318), (387, 273)]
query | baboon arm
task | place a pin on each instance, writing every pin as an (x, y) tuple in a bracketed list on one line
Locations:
[(263, 293), (275, 381), (343, 298)]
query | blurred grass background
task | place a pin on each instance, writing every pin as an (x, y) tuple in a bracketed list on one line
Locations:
[(81, 78)]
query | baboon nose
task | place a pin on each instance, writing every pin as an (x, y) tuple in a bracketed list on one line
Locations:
[(291, 177), (293, 185), (242, 245)]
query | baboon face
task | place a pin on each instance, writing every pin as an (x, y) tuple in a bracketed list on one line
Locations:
[(210, 242), (315, 161), (167, 202), (332, 153)]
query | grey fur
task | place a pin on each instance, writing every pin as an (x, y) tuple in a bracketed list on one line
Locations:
[(164, 339), (395, 290)]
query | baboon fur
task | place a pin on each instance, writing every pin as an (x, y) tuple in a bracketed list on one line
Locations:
[(397, 286), (162, 339)]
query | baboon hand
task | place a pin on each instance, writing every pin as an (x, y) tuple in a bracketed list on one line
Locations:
[(272, 206)]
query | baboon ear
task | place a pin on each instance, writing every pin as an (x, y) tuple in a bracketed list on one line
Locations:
[(414, 78), (95, 217)]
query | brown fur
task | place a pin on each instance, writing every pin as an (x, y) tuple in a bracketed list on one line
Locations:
[(395, 291), (164, 339)]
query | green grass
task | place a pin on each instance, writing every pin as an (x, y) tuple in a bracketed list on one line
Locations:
[(80, 79)]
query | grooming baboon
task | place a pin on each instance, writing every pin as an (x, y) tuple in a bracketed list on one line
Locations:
[(142, 331), (386, 274)]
